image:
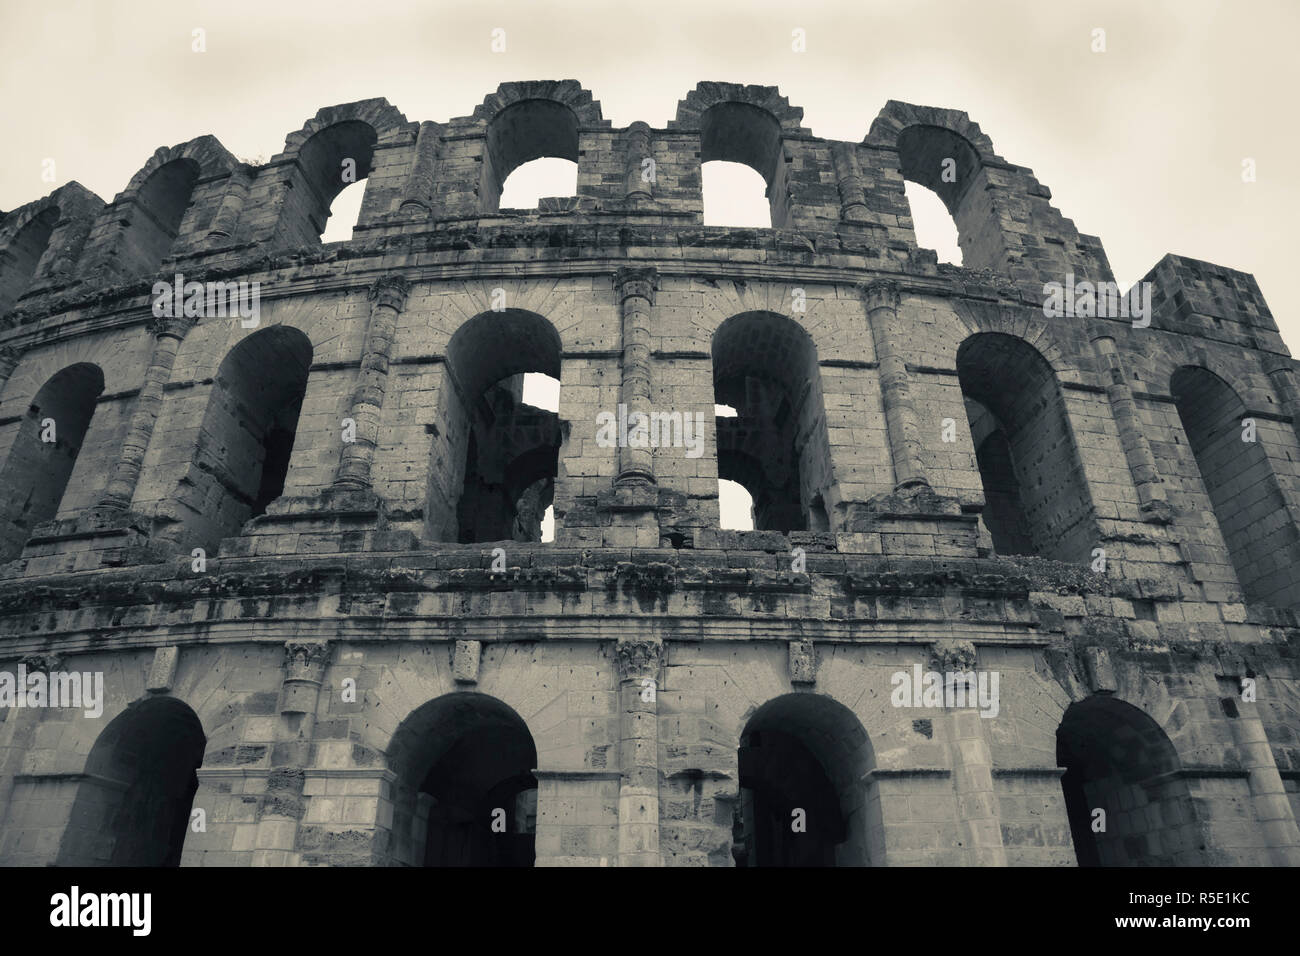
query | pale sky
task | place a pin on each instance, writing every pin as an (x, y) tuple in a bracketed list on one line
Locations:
[(1141, 145)]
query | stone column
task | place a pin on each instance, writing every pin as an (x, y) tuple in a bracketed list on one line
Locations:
[(848, 179), (635, 288), (418, 192), (638, 150), (232, 204), (972, 761), (283, 804), (387, 298), (638, 790), (1281, 372), (1267, 791), (881, 300), (1141, 462), (168, 334)]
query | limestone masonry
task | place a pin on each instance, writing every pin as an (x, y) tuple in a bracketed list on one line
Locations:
[(1024, 589)]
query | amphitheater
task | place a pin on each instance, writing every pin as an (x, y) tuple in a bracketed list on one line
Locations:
[(303, 552)]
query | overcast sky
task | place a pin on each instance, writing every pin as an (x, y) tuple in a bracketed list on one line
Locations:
[(1141, 145)]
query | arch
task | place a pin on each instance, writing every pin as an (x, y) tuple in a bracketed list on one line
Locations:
[(491, 446), (522, 132), (740, 133), (69, 212), (1036, 495), (243, 450), (36, 473), (349, 131), (1246, 500), (22, 254), (707, 95), (155, 223), (807, 752), (765, 367), (133, 803), (1117, 759), (457, 760), (925, 139)]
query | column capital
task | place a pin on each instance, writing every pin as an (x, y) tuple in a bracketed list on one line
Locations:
[(305, 660), (879, 294), (176, 327), (637, 281), (638, 657), (390, 290)]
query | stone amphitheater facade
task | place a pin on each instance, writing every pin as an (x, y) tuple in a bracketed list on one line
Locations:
[(304, 554)]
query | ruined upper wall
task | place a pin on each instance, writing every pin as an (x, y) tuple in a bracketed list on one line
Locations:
[(837, 204)]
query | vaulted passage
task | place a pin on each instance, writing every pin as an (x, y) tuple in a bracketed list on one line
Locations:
[(133, 806), (241, 457), (465, 794), (1036, 496), (765, 367), (740, 134), (495, 458), (949, 167), (334, 159), (803, 801), (1248, 506), (522, 133), (22, 256), (155, 220), (1126, 803), (44, 452)]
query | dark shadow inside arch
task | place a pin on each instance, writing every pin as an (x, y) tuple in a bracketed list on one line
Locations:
[(765, 367), (36, 473), (22, 256), (133, 805), (1125, 800), (155, 222), (1246, 499), (1036, 494), (494, 458), (242, 453), (803, 797), (464, 793)]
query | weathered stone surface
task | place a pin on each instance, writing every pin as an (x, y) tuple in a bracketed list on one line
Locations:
[(304, 555)]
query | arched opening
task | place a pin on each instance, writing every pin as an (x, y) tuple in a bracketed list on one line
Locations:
[(1244, 495), (545, 178), (932, 223), (523, 132), (946, 166), (155, 222), (737, 134), (803, 800), (1125, 801), (464, 792), (506, 451), (334, 160), (765, 369), (1036, 496), (133, 804), (23, 254), (241, 458), (44, 452)]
